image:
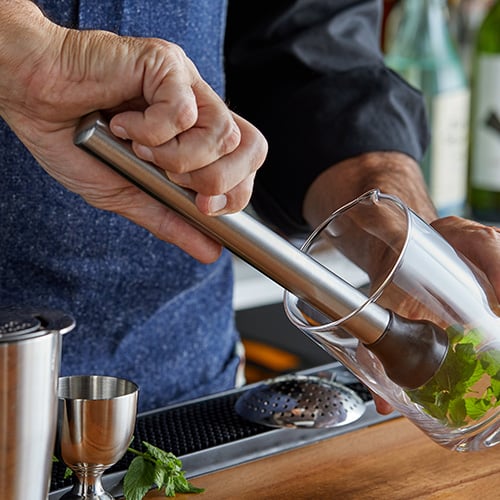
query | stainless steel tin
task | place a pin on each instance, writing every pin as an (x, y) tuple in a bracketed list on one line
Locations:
[(30, 351)]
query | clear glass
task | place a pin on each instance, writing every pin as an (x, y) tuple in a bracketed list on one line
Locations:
[(402, 264)]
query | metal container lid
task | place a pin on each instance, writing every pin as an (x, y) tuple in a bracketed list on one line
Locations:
[(21, 323)]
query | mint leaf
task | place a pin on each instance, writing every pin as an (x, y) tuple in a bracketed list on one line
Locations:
[(495, 389), (457, 412), (476, 375), (466, 386), (169, 487), (490, 361), (160, 475), (155, 467), (138, 479), (165, 457), (182, 485), (477, 407), (473, 336)]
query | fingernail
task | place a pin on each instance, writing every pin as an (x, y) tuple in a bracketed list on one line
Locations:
[(119, 132), (144, 152), (217, 203)]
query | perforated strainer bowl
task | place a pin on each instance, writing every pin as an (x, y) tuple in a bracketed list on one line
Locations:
[(300, 401)]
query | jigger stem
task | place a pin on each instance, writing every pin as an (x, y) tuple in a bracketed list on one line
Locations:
[(259, 246), (88, 486)]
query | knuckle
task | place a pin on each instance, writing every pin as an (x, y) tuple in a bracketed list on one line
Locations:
[(259, 149), (169, 50), (182, 166), (218, 185), (491, 232), (256, 146), (185, 114), (231, 138), (239, 197), (211, 184)]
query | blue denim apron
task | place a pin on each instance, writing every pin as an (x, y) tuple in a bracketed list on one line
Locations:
[(145, 310)]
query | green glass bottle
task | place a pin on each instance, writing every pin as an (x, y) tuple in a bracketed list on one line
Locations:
[(484, 178), (423, 52)]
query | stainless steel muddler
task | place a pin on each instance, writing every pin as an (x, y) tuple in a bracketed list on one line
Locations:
[(381, 330)]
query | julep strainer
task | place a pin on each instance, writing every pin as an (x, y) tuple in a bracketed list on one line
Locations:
[(300, 401)]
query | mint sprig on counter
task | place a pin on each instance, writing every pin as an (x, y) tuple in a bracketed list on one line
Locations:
[(467, 385), (155, 467)]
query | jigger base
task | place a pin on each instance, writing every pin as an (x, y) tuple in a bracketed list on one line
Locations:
[(79, 492)]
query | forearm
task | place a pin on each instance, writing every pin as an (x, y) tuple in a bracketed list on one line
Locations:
[(319, 104), (392, 173)]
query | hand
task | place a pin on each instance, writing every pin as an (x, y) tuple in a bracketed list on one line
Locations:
[(479, 243), (382, 406), (152, 94), (397, 174)]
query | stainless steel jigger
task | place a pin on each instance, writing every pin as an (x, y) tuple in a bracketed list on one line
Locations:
[(381, 330), (96, 422)]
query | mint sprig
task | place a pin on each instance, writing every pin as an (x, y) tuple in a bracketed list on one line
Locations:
[(466, 386), (155, 467)]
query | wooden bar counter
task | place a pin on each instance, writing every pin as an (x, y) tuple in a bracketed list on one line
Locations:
[(388, 461)]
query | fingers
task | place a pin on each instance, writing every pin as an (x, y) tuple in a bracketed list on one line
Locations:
[(168, 226), (130, 202), (214, 134), (186, 129), (232, 175), (167, 82), (217, 158), (479, 243), (185, 125), (234, 200), (383, 407)]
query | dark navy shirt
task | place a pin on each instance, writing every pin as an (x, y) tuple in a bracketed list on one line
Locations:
[(308, 72)]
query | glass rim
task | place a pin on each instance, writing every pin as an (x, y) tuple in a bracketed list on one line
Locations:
[(374, 194)]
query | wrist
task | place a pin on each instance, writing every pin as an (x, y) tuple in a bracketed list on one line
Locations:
[(20, 55), (391, 172)]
